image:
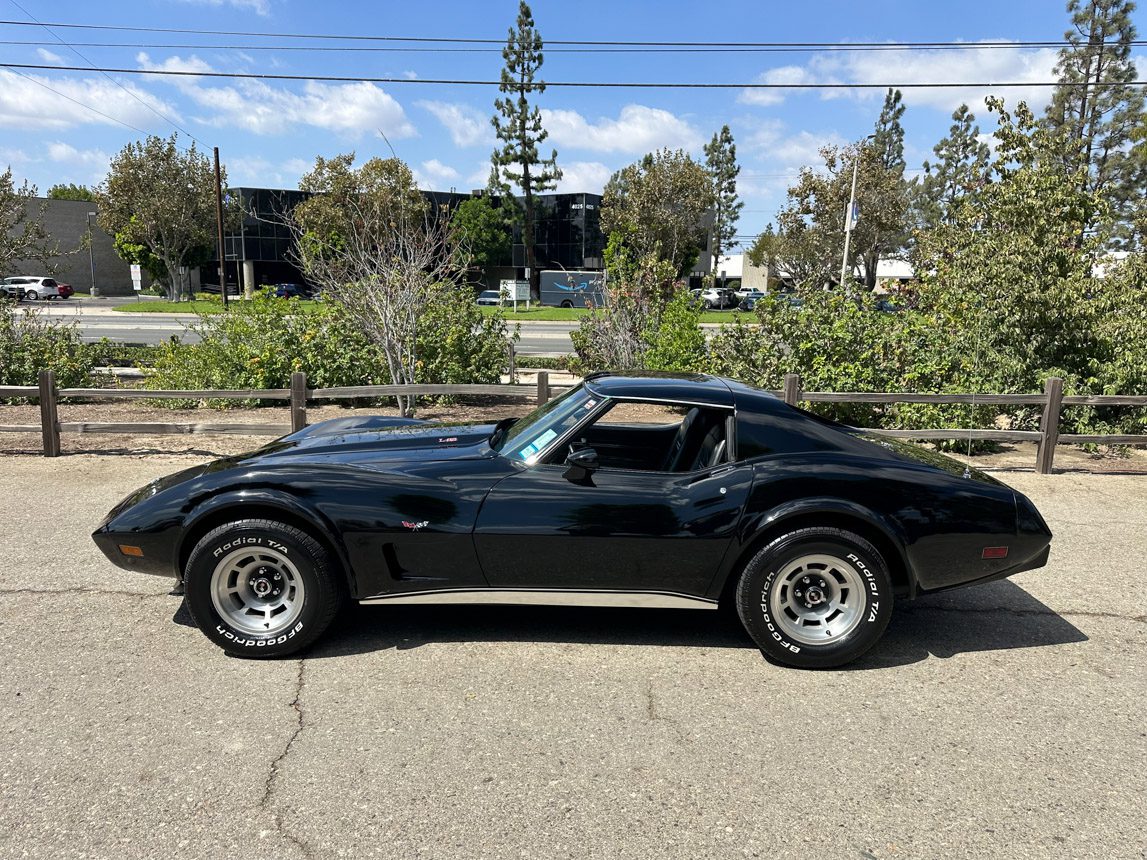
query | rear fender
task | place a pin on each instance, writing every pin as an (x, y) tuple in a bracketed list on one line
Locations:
[(758, 527)]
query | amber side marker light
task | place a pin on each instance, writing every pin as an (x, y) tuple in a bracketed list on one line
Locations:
[(131, 550), (992, 552)]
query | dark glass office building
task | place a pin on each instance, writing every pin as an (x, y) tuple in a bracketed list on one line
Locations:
[(567, 235)]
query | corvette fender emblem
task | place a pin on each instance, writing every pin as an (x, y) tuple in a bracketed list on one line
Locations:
[(415, 526)]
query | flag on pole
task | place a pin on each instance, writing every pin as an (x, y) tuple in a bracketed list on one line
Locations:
[(854, 216)]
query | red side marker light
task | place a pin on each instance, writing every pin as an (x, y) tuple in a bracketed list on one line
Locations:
[(995, 552), (131, 550)]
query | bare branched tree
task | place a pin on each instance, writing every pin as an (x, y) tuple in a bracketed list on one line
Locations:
[(383, 261)]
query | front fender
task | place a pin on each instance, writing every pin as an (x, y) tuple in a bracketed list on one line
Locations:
[(257, 502)]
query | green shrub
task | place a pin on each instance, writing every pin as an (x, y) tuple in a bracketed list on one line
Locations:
[(457, 343), (260, 343), (29, 345), (677, 343)]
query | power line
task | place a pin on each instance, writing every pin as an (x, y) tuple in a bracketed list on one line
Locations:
[(1038, 43), (158, 113), (700, 85), (588, 49)]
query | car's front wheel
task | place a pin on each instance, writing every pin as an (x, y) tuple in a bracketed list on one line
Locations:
[(260, 588), (31, 295), (815, 597)]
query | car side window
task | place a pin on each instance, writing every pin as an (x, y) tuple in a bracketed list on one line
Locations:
[(651, 436)]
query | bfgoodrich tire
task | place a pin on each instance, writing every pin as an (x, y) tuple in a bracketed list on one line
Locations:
[(815, 598), (259, 588)]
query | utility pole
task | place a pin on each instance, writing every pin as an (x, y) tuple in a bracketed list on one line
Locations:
[(219, 224), (848, 211), (91, 257)]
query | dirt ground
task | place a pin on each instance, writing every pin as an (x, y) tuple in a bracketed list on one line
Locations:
[(1014, 457)]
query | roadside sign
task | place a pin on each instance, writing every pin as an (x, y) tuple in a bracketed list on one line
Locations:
[(136, 277), (515, 291)]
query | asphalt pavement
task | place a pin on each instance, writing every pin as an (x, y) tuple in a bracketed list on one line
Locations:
[(96, 319), (1003, 721)]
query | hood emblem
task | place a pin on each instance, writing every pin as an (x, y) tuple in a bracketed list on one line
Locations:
[(443, 439)]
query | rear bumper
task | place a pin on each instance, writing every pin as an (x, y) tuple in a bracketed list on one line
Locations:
[(1031, 563)]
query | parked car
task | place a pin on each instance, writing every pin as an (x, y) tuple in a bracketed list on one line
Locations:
[(66, 291), (638, 489), (749, 300), (490, 297), (36, 288), (291, 291), (714, 298), (11, 292)]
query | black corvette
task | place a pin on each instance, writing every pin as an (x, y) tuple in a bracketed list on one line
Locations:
[(628, 490)]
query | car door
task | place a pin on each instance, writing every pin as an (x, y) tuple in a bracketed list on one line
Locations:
[(615, 529)]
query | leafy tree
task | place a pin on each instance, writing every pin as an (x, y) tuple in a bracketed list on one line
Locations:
[(71, 191), (22, 233), (1097, 107), (482, 226), (809, 236), (518, 125), (341, 195), (1009, 273), (658, 207), (637, 290), (370, 242), (721, 161), (888, 138), (161, 198), (961, 167)]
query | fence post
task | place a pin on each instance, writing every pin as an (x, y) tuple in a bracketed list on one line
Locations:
[(511, 361), (298, 401), (1049, 425), (792, 388), (49, 420), (543, 387)]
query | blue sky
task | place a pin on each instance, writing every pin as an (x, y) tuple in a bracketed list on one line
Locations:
[(269, 133)]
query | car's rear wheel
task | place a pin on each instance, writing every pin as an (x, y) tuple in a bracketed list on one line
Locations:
[(567, 304), (815, 598), (31, 295), (260, 588)]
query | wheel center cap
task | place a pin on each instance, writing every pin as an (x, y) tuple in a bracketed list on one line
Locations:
[(262, 587), (814, 596)]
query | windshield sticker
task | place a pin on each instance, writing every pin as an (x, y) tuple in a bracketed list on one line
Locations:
[(545, 439), (589, 404), (527, 452)]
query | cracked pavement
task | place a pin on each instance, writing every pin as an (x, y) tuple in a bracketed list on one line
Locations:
[(1001, 721)]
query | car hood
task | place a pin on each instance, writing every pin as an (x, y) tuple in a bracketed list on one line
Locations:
[(384, 438)]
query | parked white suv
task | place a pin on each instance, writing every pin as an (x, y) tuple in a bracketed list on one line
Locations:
[(35, 288)]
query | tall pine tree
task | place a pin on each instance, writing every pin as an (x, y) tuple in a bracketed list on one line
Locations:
[(961, 166), (518, 125), (888, 145), (1096, 107), (721, 162)]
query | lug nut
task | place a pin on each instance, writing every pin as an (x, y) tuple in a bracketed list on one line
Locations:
[(276, 591), (805, 580), (798, 594)]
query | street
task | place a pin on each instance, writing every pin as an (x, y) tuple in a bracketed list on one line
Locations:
[(96, 319), (1000, 721)]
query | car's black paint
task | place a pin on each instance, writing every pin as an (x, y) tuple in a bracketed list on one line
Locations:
[(408, 506)]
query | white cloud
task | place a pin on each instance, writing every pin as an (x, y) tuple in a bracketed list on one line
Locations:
[(256, 106), (65, 153), (637, 130), (467, 126), (26, 104), (48, 57), (433, 175), (585, 176), (259, 7), (1019, 65)]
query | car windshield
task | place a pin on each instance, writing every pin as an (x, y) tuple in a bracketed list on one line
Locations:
[(530, 436)]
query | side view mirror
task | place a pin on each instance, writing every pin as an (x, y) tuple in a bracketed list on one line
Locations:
[(580, 464)]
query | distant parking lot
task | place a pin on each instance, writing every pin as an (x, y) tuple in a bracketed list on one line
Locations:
[(1001, 721)]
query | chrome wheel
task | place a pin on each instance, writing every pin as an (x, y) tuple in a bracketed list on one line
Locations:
[(257, 590), (817, 599)]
